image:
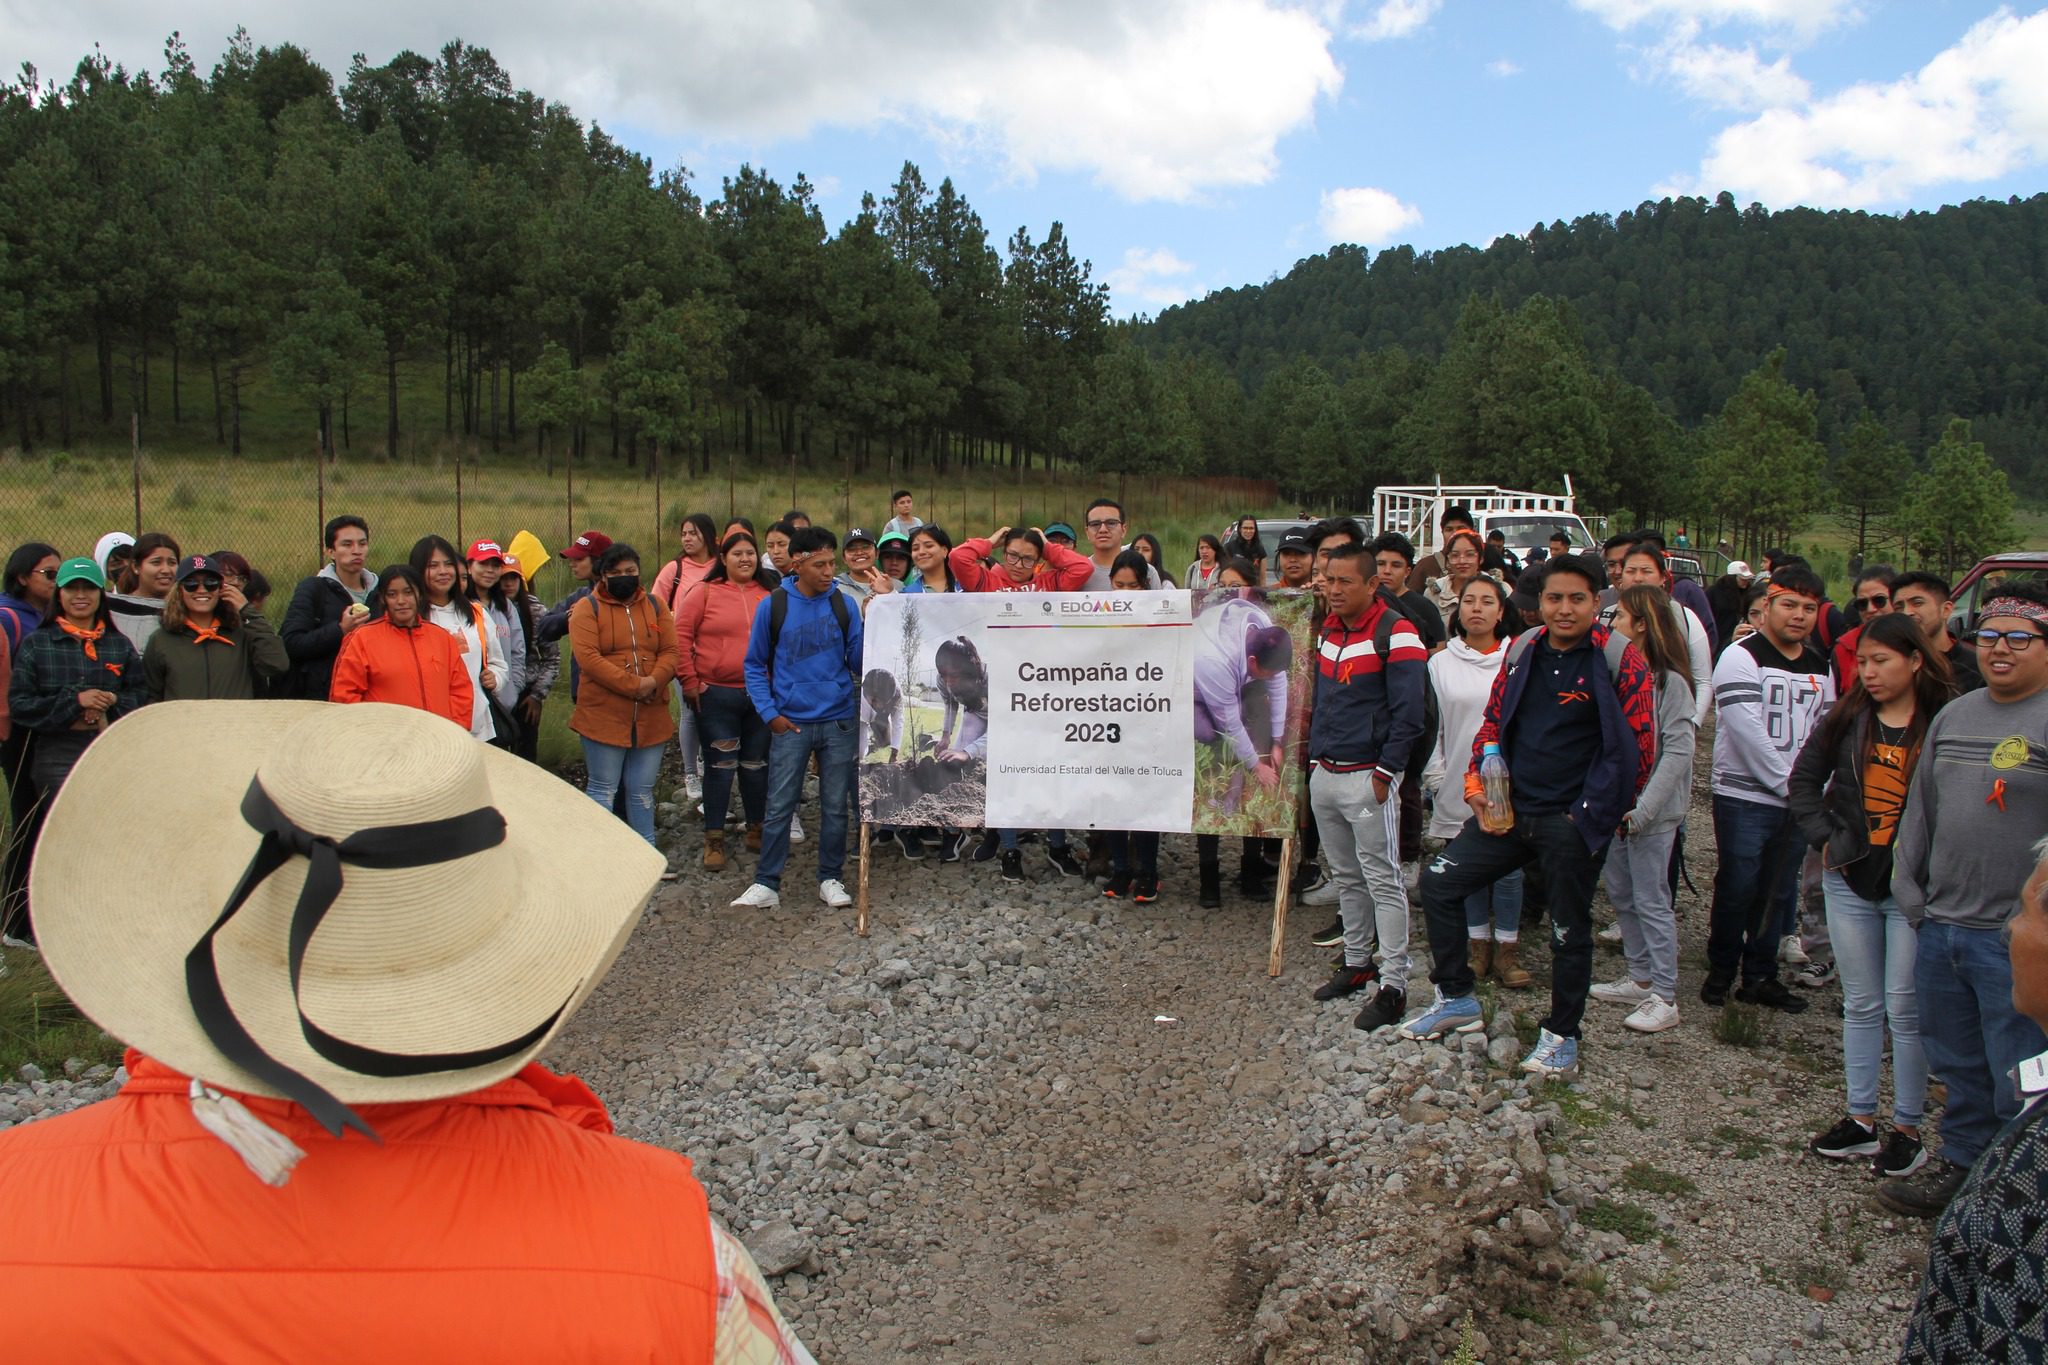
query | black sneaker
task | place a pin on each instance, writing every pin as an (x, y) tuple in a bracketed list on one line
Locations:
[(986, 850), (1386, 1007), (1146, 890), (1119, 886), (1902, 1155), (1013, 865), (1331, 936), (1347, 981), (950, 846), (1924, 1195), (1846, 1139), (1714, 991), (1771, 992), (910, 843), (1064, 862), (1209, 893), (1305, 876)]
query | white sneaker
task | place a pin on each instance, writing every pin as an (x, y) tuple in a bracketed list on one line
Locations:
[(833, 893), (693, 788), (1621, 991), (757, 897), (796, 830), (1411, 877), (1323, 892), (1611, 934), (1654, 1015), (1790, 953)]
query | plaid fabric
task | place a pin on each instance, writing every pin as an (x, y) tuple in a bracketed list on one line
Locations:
[(50, 670), (748, 1329)]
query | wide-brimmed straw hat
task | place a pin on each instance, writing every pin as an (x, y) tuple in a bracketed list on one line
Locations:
[(453, 904)]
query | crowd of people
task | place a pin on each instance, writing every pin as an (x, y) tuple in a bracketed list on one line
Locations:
[(1877, 784)]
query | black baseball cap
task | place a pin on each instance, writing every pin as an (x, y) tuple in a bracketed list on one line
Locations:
[(191, 566), (1295, 543), (853, 534)]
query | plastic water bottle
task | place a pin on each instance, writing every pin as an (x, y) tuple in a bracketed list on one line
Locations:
[(1500, 807)]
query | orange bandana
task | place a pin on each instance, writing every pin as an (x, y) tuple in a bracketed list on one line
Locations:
[(89, 636), (201, 634)]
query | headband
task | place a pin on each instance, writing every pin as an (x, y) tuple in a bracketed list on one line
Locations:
[(1772, 590), (2015, 606)]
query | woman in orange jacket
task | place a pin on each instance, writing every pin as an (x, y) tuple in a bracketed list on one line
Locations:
[(401, 657), (624, 640)]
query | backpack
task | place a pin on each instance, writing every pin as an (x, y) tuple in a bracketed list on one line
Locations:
[(1382, 641), (778, 611)]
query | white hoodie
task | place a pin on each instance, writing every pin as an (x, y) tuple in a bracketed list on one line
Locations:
[(1463, 679)]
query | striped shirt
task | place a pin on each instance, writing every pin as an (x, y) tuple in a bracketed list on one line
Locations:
[(1768, 703), (1368, 709)]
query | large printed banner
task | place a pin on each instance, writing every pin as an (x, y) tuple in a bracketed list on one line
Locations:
[(1169, 711)]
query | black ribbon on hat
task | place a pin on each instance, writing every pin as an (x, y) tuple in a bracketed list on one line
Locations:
[(389, 846)]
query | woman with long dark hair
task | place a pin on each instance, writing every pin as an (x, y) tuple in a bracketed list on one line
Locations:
[(1244, 543), (712, 629), (212, 645), (27, 596), (929, 571), (74, 676), (137, 614), (1208, 562), (1639, 860), (485, 565), (625, 642), (399, 657), (543, 657), (438, 566), (1847, 791), (698, 543), (1147, 544)]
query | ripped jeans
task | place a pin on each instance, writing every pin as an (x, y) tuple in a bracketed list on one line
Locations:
[(614, 766), (735, 745)]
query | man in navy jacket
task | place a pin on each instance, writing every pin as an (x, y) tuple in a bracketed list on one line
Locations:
[(1574, 713)]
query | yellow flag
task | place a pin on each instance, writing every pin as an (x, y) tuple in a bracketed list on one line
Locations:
[(527, 549)]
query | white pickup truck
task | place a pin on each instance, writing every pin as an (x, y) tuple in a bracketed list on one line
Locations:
[(1526, 520)]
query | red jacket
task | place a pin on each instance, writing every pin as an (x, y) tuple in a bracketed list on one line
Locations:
[(1062, 570), (420, 668), (505, 1225)]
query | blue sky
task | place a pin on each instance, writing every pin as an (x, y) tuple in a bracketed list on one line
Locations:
[(1196, 144)]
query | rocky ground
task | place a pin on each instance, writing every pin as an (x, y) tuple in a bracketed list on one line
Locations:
[(1023, 1123)]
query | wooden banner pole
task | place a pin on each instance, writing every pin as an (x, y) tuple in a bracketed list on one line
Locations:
[(860, 924), (1280, 893)]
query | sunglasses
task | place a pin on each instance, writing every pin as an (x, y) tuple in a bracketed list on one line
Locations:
[(2016, 640), (50, 574), (1874, 603), (201, 585)]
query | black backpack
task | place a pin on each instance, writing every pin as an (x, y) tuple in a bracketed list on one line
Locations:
[(1382, 641)]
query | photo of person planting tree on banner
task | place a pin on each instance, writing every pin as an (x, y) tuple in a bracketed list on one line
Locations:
[(1253, 652), (924, 716)]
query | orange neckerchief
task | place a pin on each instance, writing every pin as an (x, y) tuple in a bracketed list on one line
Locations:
[(201, 634), (89, 636)]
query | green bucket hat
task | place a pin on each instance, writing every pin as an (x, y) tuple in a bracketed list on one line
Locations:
[(82, 569)]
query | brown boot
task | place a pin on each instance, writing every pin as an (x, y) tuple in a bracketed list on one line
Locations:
[(714, 850), (1507, 966), (1479, 953), (753, 838)]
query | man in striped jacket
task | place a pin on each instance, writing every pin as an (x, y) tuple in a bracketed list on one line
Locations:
[(1368, 716)]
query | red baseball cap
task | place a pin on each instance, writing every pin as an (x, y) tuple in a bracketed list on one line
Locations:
[(588, 544), (482, 550)]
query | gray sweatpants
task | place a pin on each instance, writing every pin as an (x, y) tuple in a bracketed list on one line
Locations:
[(1363, 840), (1639, 884)]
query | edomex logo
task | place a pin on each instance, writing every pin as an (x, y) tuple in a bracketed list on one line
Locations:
[(1116, 605)]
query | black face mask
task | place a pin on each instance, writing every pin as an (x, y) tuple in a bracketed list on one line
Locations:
[(622, 586)]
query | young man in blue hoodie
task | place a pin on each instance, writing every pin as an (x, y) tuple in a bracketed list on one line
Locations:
[(800, 677), (1573, 712)]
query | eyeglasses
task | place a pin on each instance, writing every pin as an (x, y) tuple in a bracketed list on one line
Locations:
[(1874, 603), (50, 574), (1105, 525), (201, 585), (1017, 561), (2016, 640)]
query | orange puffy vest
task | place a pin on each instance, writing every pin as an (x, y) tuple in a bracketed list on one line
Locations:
[(507, 1224)]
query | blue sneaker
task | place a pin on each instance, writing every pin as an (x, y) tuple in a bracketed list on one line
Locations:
[(1553, 1057), (1450, 1014)]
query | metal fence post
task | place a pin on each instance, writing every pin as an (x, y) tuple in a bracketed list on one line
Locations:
[(135, 462)]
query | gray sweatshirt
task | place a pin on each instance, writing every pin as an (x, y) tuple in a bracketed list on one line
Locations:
[(1662, 803), (1977, 803)]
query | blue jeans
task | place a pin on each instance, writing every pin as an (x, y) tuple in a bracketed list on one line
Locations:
[(1874, 951), (614, 769), (1054, 838), (735, 744), (1759, 850), (1972, 1034), (1142, 843), (788, 755), (1496, 910)]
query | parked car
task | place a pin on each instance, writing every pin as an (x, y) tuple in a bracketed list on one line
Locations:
[(1270, 531), (1981, 584)]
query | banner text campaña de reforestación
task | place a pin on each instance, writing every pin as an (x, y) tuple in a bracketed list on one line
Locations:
[(1063, 675)]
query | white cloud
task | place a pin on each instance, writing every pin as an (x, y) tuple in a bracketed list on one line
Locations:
[(1365, 215), (1155, 99), (1977, 111), (1396, 19), (1153, 276), (1733, 78), (1503, 68), (1805, 17)]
